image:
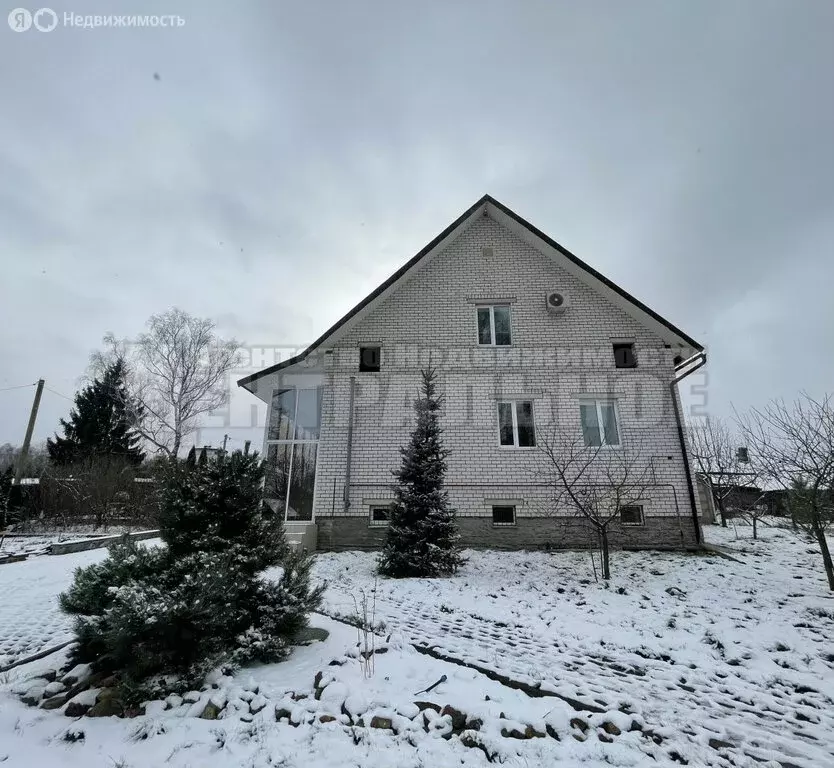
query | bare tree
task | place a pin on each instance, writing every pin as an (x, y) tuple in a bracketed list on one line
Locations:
[(176, 374), (756, 512), (90, 491), (596, 482), (714, 448), (795, 445)]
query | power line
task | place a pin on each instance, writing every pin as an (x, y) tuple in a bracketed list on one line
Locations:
[(59, 394), (20, 386)]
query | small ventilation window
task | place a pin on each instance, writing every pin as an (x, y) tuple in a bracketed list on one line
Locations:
[(624, 356), (369, 359), (503, 514), (380, 515), (631, 514)]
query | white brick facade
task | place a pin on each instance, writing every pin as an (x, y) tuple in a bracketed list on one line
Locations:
[(553, 359)]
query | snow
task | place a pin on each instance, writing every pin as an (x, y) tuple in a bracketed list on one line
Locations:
[(691, 647), (30, 617)]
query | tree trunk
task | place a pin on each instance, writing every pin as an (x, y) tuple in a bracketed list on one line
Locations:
[(721, 510), (176, 447), (754, 528), (819, 532), (606, 568)]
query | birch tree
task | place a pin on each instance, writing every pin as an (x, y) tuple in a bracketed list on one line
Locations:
[(178, 369)]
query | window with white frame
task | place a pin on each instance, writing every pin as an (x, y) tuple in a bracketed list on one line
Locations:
[(599, 422), (291, 448), (380, 514), (515, 424), (631, 514), (503, 514), (494, 325)]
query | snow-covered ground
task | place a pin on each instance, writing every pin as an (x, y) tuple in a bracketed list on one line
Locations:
[(39, 544), (692, 648)]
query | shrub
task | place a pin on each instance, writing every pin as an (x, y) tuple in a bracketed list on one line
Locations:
[(201, 601)]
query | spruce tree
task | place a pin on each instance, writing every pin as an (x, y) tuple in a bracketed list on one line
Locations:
[(100, 424), (202, 601), (422, 537)]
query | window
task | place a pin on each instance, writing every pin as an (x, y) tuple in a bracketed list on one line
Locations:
[(599, 423), (295, 414), (503, 515), (369, 359), (292, 445), (515, 424), (494, 325), (631, 514), (380, 515), (624, 356)]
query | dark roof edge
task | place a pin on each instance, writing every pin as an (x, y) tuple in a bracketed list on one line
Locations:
[(370, 297), (426, 249), (599, 276)]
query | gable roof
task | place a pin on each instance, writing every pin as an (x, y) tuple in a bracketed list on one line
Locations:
[(499, 212)]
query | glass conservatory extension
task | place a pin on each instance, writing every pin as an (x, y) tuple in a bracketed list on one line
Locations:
[(292, 445)]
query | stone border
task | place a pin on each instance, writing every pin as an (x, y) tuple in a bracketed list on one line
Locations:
[(82, 545)]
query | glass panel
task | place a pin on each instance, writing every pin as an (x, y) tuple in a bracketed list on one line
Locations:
[(631, 515), (609, 421), (380, 514), (503, 515), (303, 479), (484, 332), (308, 417), (590, 424), (502, 325), (277, 471), (524, 417), (505, 423), (282, 415)]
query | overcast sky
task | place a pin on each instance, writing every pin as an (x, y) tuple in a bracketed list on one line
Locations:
[(268, 167)]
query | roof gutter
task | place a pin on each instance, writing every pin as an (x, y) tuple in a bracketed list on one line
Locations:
[(688, 366)]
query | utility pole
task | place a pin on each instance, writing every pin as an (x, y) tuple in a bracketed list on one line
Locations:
[(24, 451)]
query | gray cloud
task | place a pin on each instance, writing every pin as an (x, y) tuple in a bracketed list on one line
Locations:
[(291, 156)]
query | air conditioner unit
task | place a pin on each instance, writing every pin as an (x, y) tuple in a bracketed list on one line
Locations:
[(557, 302)]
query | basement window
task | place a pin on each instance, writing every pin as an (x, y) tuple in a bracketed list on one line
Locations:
[(369, 359), (380, 515), (624, 356), (632, 514), (503, 515)]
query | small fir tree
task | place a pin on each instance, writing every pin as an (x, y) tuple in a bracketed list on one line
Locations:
[(422, 538), (100, 424), (202, 600)]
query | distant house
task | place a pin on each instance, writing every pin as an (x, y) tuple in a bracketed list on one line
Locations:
[(524, 335)]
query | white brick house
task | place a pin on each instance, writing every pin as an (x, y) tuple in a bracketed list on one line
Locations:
[(474, 301)]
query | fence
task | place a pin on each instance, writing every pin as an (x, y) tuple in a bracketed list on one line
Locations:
[(95, 503)]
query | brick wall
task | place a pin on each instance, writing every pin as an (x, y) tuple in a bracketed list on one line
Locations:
[(345, 533), (553, 359)]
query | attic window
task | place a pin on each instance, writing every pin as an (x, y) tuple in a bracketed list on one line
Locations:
[(369, 359), (624, 356)]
